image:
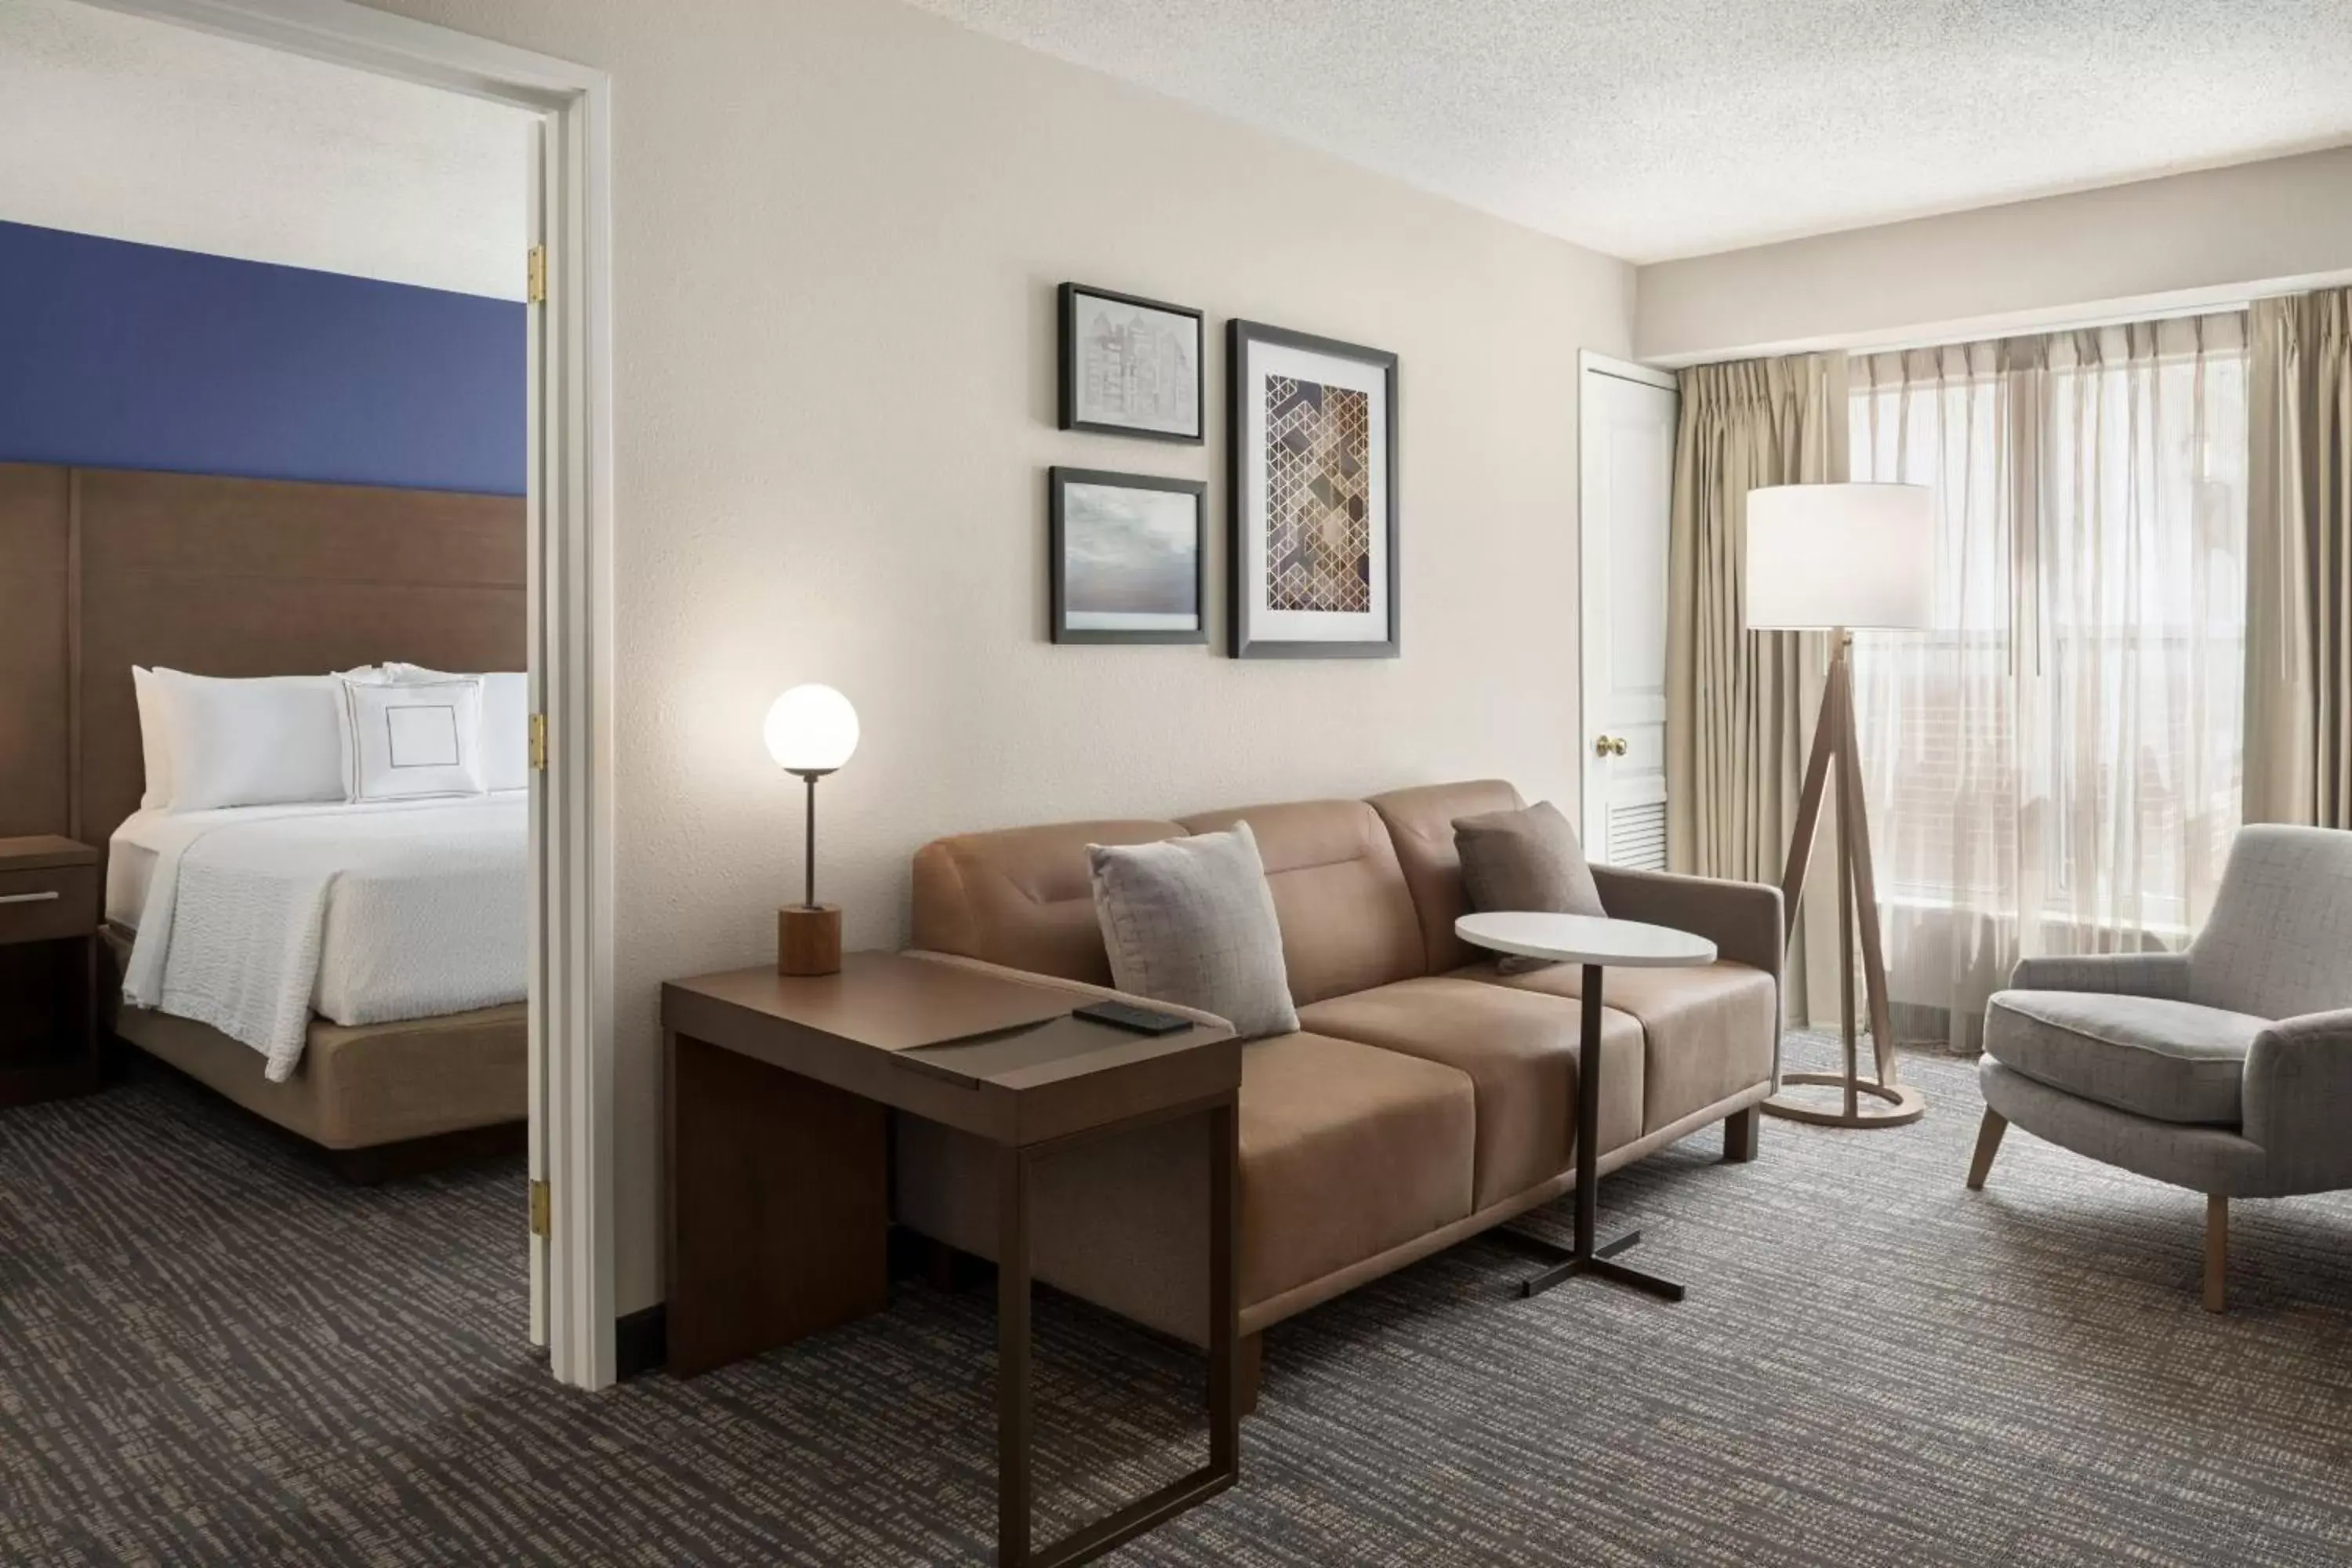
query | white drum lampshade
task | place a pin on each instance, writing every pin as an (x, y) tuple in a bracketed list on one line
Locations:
[(1821, 556), (811, 729)]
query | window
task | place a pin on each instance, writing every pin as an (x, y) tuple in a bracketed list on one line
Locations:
[(2056, 767)]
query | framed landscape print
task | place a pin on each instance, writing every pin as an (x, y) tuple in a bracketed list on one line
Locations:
[(1313, 443), (1130, 366), (1127, 557)]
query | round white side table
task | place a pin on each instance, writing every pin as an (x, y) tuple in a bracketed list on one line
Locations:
[(1597, 944)]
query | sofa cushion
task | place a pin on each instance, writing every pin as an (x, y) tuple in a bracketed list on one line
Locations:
[(1707, 1031), (1189, 921), (1022, 898), (1520, 1051), (2169, 1061), (1347, 921), (1346, 1150), (1420, 829)]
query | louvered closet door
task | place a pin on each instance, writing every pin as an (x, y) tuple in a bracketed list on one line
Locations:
[(1627, 459)]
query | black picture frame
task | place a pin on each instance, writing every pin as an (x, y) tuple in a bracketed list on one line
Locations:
[(1058, 481), (1245, 638), (1073, 417)]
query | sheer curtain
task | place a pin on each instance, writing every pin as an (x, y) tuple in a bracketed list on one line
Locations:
[(2056, 768)]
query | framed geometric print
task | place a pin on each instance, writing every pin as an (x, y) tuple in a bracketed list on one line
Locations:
[(1312, 442)]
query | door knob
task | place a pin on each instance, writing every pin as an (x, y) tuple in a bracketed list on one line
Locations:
[(1608, 745)]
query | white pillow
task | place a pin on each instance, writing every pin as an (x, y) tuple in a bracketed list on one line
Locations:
[(506, 721), (506, 731), (267, 742), (154, 738), (408, 741)]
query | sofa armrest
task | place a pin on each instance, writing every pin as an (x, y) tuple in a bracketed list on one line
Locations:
[(1081, 991), (2298, 1100), (2163, 975), (1742, 919)]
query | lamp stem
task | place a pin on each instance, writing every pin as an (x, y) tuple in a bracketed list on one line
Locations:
[(808, 855)]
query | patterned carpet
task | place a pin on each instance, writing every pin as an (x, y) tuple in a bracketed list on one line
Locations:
[(210, 1352)]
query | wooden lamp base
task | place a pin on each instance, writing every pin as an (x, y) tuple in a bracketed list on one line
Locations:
[(808, 939), (1836, 763)]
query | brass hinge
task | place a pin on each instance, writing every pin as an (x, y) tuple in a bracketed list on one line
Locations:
[(538, 744), (540, 1221), (535, 275)]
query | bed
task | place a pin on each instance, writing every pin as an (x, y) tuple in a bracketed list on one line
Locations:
[(394, 1038), (339, 948)]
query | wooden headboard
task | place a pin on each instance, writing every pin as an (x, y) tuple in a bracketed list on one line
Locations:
[(103, 568)]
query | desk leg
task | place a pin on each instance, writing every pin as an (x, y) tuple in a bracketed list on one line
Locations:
[(1585, 1256), (778, 1206), (1014, 1486), (1015, 1483), (1224, 1293)]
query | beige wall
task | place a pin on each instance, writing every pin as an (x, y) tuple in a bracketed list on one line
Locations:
[(839, 227), (2185, 240)]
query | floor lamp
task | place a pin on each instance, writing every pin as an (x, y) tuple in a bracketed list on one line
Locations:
[(1831, 558)]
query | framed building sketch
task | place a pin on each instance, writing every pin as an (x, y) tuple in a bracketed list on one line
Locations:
[(1313, 444), (1130, 366), (1127, 557)]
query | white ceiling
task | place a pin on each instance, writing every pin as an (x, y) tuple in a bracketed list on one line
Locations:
[(138, 130), (1651, 129)]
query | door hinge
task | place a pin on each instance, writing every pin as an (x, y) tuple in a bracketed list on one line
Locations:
[(538, 744), (542, 1205), (535, 275)]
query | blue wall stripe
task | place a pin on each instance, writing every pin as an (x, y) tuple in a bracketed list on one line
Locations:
[(115, 355)]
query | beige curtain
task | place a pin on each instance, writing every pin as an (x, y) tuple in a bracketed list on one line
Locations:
[(2299, 562), (2054, 769), (1740, 705)]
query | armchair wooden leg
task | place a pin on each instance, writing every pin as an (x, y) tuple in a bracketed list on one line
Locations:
[(1739, 1130), (1249, 1362), (1988, 1146), (2217, 1253)]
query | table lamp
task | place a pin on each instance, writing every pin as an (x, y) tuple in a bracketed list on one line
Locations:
[(1831, 558), (811, 731)]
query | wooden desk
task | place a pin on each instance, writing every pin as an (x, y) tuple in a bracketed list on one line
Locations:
[(780, 1090)]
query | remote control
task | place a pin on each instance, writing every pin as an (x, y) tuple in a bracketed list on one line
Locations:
[(1141, 1020)]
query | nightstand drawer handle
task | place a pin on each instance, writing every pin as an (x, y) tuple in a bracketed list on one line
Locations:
[(43, 897)]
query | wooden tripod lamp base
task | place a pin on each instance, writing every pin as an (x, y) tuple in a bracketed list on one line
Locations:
[(1860, 1103), (808, 939)]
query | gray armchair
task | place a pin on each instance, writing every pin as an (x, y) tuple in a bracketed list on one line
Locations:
[(2226, 1068)]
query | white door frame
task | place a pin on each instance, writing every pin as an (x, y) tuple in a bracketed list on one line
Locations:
[(1591, 568), (571, 598)]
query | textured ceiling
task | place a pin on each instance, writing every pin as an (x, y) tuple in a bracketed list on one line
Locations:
[(134, 129), (1650, 129)]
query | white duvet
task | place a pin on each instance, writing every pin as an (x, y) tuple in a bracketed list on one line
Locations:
[(252, 917)]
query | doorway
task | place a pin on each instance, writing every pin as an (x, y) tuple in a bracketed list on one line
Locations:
[(1626, 415), (570, 612)]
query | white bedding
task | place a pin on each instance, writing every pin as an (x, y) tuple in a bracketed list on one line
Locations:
[(251, 918)]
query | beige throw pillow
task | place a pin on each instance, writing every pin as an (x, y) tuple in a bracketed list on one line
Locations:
[(1191, 920), (1526, 859)]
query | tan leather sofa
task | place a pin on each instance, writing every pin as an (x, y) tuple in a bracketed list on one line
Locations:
[(1424, 1098)]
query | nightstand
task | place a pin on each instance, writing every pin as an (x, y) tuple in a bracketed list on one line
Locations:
[(48, 969)]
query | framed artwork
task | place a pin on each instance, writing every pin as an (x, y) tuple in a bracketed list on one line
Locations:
[(1313, 445), (1130, 366), (1127, 563)]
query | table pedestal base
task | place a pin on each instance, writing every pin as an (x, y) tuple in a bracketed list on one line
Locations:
[(1568, 1263)]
